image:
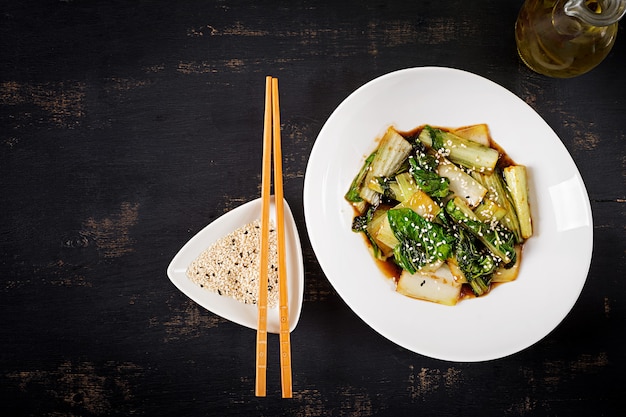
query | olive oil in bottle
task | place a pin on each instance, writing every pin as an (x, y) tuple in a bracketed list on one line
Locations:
[(566, 38)]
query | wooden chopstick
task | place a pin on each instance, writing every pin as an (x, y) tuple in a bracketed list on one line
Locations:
[(261, 336), (285, 343), (272, 128)]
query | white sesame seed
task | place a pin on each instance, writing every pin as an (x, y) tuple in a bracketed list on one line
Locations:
[(230, 266)]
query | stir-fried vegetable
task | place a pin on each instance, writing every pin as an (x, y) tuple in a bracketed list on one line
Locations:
[(497, 192), (353, 194), (515, 177), (442, 206), (498, 240), (420, 242), (462, 184), (423, 168), (360, 223), (438, 286), (476, 263), (459, 150), (391, 153)]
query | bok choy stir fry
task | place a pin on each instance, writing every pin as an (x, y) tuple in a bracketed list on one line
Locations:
[(445, 208)]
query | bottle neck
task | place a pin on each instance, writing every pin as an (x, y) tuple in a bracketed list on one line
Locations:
[(596, 12)]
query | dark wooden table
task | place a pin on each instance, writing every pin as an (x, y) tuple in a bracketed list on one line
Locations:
[(127, 126)]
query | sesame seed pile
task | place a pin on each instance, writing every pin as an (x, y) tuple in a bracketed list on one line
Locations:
[(230, 267)]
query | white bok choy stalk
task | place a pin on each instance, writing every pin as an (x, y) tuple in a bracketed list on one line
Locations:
[(517, 182), (459, 150), (391, 153), (439, 286), (461, 183), (475, 133)]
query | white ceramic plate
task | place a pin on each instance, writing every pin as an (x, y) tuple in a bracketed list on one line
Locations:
[(227, 307), (555, 261)]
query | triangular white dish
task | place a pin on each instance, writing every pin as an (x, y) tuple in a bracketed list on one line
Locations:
[(227, 307)]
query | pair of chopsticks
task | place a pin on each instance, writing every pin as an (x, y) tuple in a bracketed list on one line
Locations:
[(272, 128)]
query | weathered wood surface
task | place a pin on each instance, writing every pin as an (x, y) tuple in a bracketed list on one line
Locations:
[(126, 127)]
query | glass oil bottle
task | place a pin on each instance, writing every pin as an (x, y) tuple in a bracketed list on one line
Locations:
[(566, 38)]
